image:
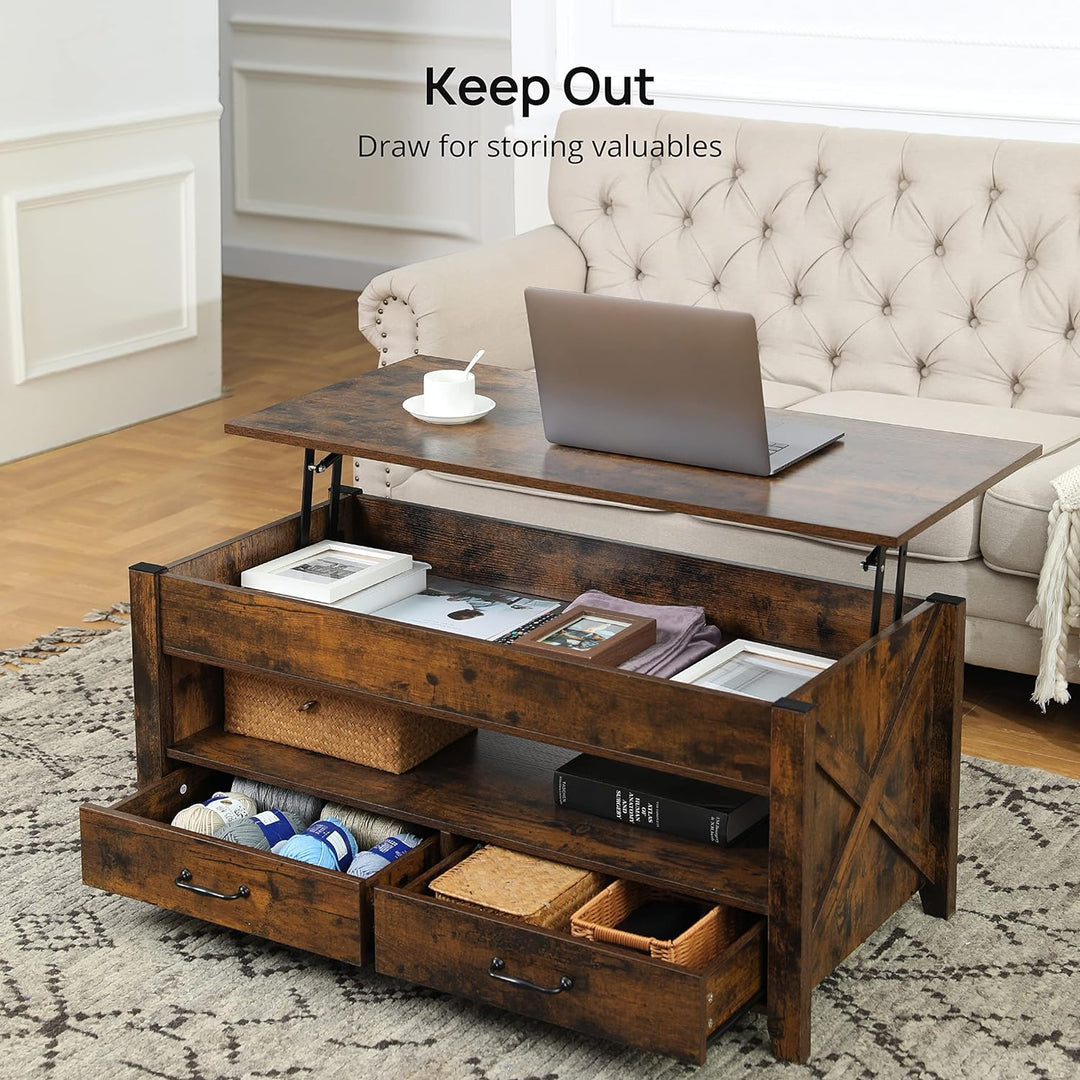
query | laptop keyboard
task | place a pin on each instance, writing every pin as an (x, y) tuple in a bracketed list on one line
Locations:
[(776, 447)]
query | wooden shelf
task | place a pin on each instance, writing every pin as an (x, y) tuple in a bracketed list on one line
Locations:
[(498, 788)]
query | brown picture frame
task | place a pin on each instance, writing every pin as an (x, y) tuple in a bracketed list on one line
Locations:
[(561, 636)]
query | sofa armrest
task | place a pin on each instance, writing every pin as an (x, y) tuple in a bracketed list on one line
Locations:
[(379, 478), (457, 304)]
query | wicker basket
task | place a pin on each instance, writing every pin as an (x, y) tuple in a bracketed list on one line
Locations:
[(694, 948), (517, 886), (368, 732)]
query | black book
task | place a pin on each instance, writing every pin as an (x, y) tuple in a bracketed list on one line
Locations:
[(656, 800)]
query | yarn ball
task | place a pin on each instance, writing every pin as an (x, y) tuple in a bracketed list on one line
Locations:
[(368, 828), (221, 809), (263, 830), (325, 843), (268, 797), (383, 854)]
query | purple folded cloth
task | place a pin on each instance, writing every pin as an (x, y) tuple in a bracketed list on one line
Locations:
[(682, 635)]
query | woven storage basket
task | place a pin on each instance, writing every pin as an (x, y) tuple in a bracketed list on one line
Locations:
[(517, 886), (694, 948), (368, 732)]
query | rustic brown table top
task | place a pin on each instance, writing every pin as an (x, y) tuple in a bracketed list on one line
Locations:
[(883, 484)]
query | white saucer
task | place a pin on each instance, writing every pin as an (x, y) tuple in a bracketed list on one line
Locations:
[(415, 407)]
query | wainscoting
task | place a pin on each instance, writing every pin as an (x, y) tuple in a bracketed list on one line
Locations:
[(300, 203), (109, 276)]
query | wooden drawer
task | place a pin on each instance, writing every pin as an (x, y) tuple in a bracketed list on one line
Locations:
[(593, 988), (131, 849)]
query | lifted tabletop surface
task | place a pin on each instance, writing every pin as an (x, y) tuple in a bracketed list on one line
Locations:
[(882, 484)]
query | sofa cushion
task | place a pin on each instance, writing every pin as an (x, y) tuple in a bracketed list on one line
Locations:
[(780, 395), (958, 535), (1052, 430), (1012, 533)]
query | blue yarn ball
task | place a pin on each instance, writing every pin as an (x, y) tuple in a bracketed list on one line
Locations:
[(307, 849), (325, 843)]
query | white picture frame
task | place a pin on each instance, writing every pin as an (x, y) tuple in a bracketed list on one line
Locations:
[(324, 571), (754, 669)]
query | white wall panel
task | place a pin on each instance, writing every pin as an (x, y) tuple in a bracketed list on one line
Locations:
[(110, 227), (69, 63), (301, 82), (110, 278), (101, 269), (275, 144)]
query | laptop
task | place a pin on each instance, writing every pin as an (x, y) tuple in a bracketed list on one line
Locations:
[(663, 381)]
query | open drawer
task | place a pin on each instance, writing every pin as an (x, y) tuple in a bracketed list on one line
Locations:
[(131, 849), (593, 988)]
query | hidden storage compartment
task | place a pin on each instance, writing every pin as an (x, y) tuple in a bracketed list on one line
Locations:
[(130, 848), (547, 973), (205, 616), (829, 618)]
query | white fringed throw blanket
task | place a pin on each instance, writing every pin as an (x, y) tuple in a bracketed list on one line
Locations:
[(1057, 605)]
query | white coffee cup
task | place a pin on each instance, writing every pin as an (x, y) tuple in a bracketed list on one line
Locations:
[(449, 393)]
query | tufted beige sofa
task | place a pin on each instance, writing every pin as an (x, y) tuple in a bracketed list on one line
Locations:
[(932, 281)]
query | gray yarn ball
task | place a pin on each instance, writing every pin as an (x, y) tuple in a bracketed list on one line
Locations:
[(268, 797), (248, 833)]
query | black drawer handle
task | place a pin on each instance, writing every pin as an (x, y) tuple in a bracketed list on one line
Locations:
[(183, 881), (496, 972)]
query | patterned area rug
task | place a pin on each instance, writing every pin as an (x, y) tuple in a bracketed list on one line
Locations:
[(93, 985)]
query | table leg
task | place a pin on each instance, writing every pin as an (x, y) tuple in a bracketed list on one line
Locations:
[(792, 769), (939, 896)]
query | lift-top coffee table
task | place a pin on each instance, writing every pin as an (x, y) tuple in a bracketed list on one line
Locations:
[(860, 765)]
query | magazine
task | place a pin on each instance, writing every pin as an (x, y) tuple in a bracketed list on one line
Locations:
[(478, 611)]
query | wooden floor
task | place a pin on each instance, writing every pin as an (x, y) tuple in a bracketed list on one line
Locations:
[(74, 519)]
